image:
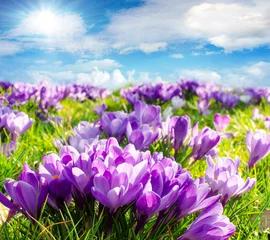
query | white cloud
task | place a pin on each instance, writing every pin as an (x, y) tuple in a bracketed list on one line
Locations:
[(146, 77), (9, 48), (81, 65), (146, 48), (96, 77), (102, 78), (259, 70), (154, 21), (151, 27), (104, 64), (152, 47), (200, 75), (130, 75), (128, 50), (232, 26), (117, 78), (119, 45), (206, 53), (212, 52), (250, 75), (37, 77), (68, 33), (177, 55), (84, 65), (158, 79)]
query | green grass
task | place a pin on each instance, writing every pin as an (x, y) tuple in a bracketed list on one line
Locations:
[(74, 223)]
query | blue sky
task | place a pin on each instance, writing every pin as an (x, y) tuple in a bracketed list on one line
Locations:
[(110, 43)]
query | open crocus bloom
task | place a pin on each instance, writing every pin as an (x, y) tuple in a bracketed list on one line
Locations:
[(210, 225), (28, 193), (223, 178), (203, 142)]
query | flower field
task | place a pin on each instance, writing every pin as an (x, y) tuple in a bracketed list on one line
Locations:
[(183, 161)]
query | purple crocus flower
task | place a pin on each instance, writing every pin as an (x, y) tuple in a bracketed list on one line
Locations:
[(223, 178), (79, 143), (87, 130), (131, 94), (148, 114), (204, 107), (68, 154), (167, 91), (203, 142), (59, 186), (85, 134), (18, 123), (193, 198), (141, 137), (258, 145), (180, 130), (221, 122), (80, 175), (28, 193), (119, 186), (114, 124), (4, 112), (210, 225), (99, 109), (228, 100), (161, 190)]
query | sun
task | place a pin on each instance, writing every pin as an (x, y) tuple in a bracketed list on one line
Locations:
[(46, 21)]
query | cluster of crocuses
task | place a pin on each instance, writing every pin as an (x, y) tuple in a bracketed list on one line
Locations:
[(115, 178), (163, 92), (144, 126), (49, 96), (14, 124)]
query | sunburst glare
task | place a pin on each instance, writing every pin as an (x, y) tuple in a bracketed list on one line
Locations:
[(46, 21)]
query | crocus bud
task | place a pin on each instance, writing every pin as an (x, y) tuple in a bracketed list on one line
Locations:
[(181, 131), (221, 122), (206, 140), (258, 145)]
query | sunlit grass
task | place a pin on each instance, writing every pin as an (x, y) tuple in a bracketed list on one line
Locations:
[(74, 223)]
